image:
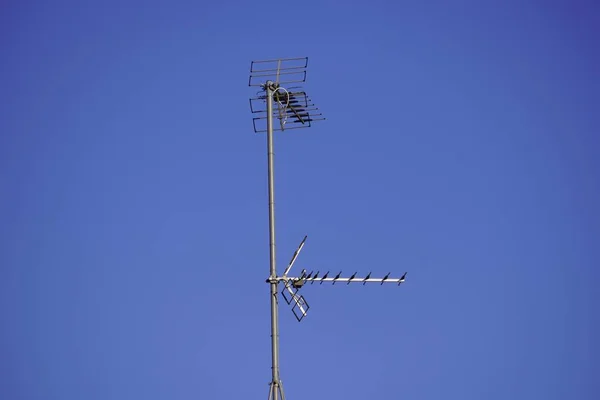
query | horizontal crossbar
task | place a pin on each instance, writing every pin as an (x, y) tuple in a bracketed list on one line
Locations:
[(344, 280)]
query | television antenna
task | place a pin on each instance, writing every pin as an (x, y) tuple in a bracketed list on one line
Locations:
[(294, 110)]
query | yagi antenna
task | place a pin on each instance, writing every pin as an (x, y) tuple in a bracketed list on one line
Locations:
[(291, 285), (294, 109), (281, 98)]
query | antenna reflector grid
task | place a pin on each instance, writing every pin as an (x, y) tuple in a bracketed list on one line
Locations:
[(279, 71)]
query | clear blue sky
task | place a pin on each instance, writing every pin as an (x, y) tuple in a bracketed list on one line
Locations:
[(461, 145)]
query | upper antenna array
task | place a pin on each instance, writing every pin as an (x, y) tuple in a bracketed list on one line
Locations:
[(294, 108)]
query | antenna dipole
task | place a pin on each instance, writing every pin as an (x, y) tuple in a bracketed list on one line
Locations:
[(294, 110)]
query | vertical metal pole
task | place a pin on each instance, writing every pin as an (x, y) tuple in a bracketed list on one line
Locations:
[(273, 272)]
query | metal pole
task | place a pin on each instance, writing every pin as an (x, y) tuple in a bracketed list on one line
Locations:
[(273, 271)]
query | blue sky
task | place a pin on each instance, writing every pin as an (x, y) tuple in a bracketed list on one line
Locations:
[(461, 145)]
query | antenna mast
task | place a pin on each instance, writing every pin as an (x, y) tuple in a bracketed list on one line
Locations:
[(294, 110)]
